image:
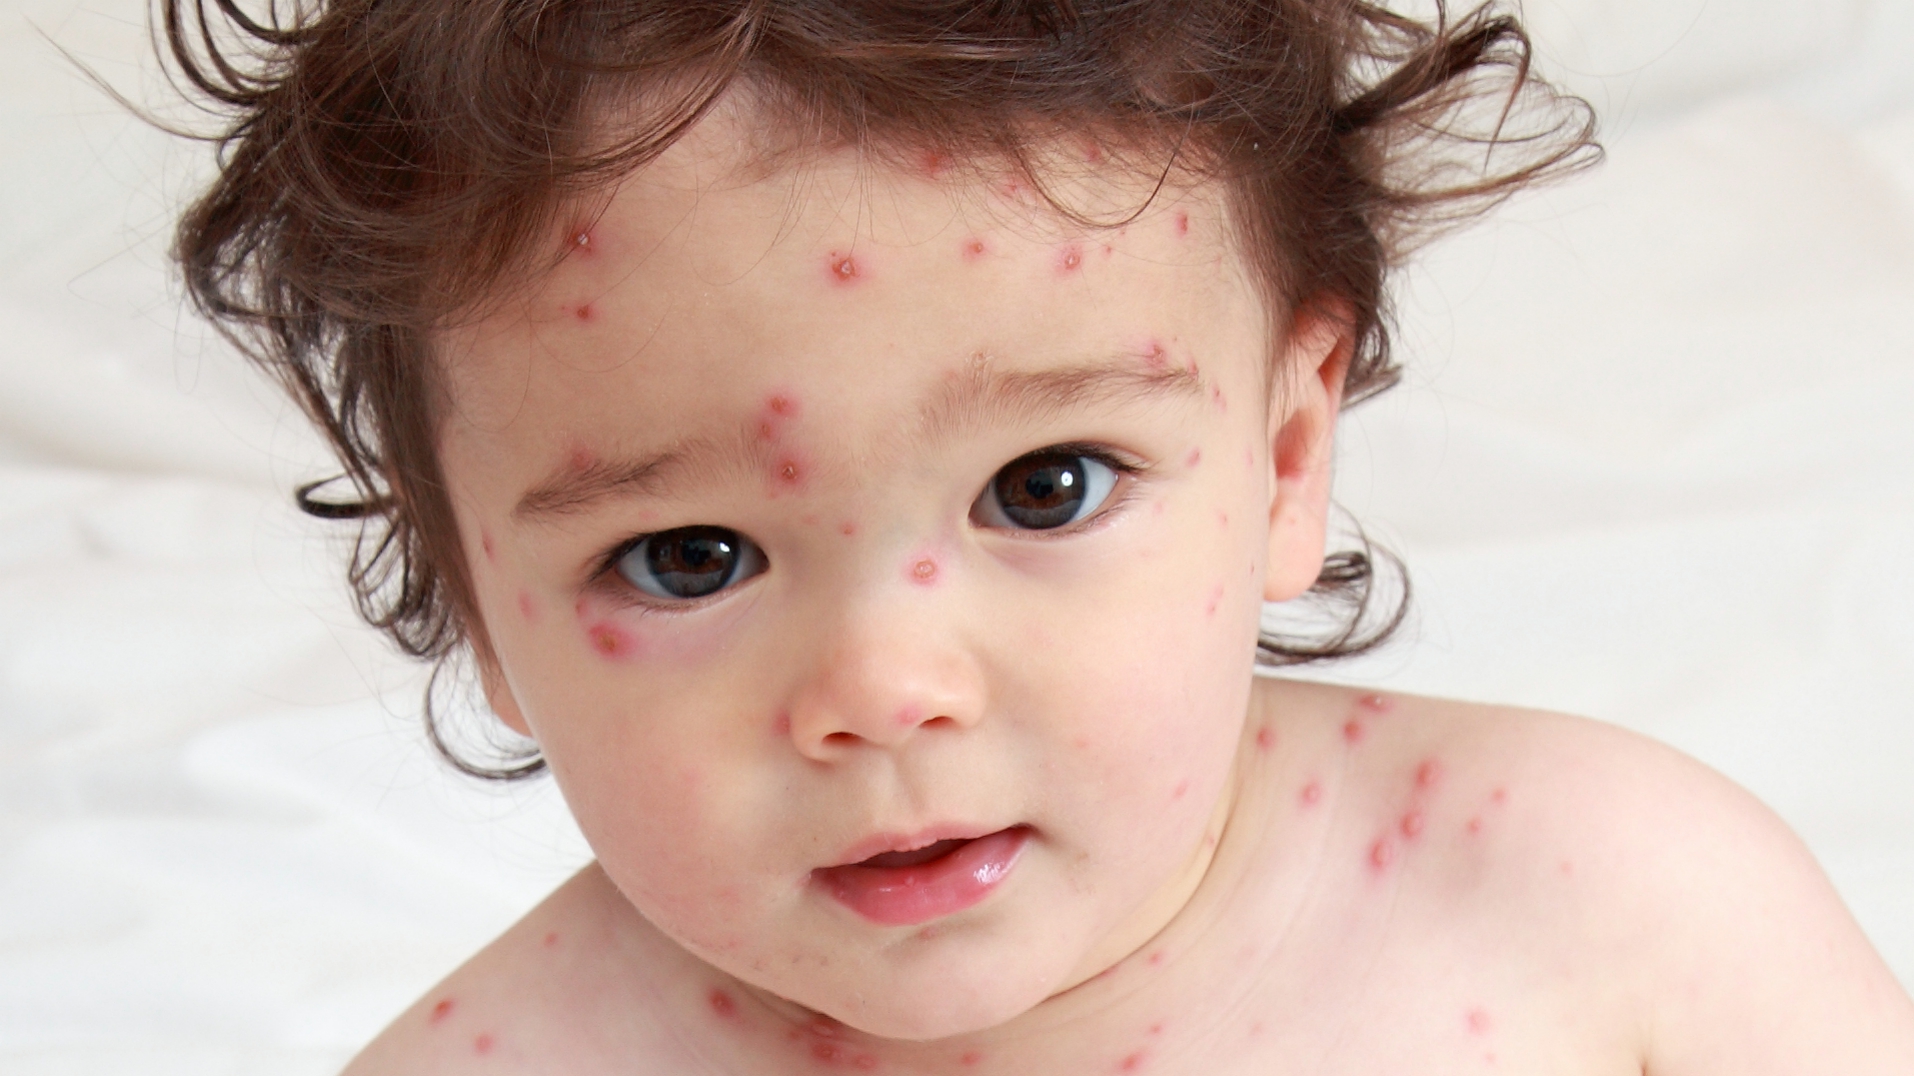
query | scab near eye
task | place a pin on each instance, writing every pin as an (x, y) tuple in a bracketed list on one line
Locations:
[(690, 562), (1045, 490)]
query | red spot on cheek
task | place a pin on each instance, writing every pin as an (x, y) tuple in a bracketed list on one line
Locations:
[(1155, 356), (1499, 796), (924, 571), (1478, 1021), (1312, 794), (974, 249), (442, 1010), (1475, 825), (583, 312), (551, 939), (1070, 259), (1411, 824), (782, 406), (485, 543), (609, 641), (1195, 457), (1156, 958), (581, 459), (787, 473), (1376, 703), (1131, 1063), (1265, 738), (1428, 774), (526, 607), (781, 724), (971, 1057), (1381, 854), (843, 268), (721, 1004), (847, 528), (1217, 398), (483, 1044), (932, 164), (1182, 789), (1353, 731), (1182, 224)]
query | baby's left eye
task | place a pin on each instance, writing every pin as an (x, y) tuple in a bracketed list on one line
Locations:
[(1045, 490)]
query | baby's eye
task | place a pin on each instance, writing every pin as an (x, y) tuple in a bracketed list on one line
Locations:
[(690, 562), (1044, 490)]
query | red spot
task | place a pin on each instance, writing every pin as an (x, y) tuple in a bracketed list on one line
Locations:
[(1156, 958), (924, 571), (1475, 825), (551, 939), (1010, 188), (782, 405), (1568, 869), (781, 724), (1182, 789), (1217, 398), (1500, 795), (1256, 1029), (910, 715), (1131, 1063), (1155, 356), (483, 1044), (1353, 731), (1222, 520), (1249, 460), (1312, 794), (847, 528), (826, 1051), (1412, 824), (844, 268), (1265, 738), (581, 459), (583, 312), (1428, 774), (442, 1010), (1478, 1021), (1381, 854), (971, 1057), (1156, 1029), (1182, 224), (974, 249), (582, 242), (526, 608), (1092, 152), (1376, 703), (1070, 259), (485, 543), (1195, 457), (932, 164), (786, 473), (721, 1004), (606, 640), (1216, 598)]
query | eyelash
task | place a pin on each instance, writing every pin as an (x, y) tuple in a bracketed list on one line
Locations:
[(605, 570)]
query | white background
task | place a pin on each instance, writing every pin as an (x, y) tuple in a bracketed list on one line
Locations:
[(1653, 462)]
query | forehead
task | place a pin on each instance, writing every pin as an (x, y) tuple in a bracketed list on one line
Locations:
[(709, 276)]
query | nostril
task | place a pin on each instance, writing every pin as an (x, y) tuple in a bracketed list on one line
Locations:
[(840, 738)]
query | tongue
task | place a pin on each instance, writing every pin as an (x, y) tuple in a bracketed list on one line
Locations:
[(914, 857)]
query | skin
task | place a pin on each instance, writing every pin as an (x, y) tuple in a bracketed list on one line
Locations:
[(1223, 874)]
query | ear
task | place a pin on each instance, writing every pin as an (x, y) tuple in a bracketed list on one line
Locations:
[(498, 692), (1305, 397)]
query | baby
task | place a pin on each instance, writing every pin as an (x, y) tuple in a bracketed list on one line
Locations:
[(854, 444)]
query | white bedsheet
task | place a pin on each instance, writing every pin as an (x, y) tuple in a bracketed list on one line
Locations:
[(1653, 462)]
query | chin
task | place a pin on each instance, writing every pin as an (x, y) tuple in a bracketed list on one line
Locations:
[(930, 1002)]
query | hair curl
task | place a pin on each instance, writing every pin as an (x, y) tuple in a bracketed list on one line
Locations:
[(384, 166)]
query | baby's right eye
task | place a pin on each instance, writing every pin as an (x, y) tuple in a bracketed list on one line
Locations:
[(690, 562)]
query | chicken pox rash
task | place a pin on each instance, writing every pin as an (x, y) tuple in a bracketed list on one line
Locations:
[(1353, 730), (721, 1004), (1411, 824), (1312, 794), (485, 543), (1069, 259), (526, 607), (1265, 738), (1428, 774), (1478, 1021), (974, 249), (1195, 457), (483, 1044), (1182, 224), (1216, 599), (551, 939), (842, 268), (923, 571), (1376, 703), (583, 312), (1381, 854), (970, 1057), (1131, 1063), (442, 1010)]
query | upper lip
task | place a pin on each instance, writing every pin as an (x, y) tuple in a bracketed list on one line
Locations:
[(880, 843)]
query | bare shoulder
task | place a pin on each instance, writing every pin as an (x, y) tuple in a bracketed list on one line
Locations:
[(551, 995), (1720, 932)]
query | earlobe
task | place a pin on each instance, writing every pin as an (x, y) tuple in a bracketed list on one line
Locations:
[(1305, 400)]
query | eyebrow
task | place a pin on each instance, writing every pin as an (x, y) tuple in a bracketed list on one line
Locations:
[(964, 403)]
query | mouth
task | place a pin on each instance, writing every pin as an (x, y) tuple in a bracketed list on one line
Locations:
[(919, 881)]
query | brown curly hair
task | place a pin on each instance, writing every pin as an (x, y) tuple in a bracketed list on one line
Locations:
[(386, 167)]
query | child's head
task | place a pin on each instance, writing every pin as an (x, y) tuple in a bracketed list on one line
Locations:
[(837, 428)]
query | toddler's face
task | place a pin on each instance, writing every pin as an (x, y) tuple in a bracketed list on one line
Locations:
[(819, 518)]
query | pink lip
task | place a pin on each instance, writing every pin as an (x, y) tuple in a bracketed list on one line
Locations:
[(907, 893)]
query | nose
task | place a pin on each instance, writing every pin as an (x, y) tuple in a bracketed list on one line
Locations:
[(881, 677)]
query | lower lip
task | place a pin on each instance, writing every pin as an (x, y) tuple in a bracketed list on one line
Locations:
[(906, 896)]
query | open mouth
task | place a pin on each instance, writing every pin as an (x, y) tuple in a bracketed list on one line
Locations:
[(904, 888)]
